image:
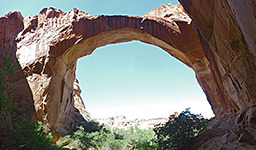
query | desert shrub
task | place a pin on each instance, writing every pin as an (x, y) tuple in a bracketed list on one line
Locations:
[(91, 126), (80, 139), (30, 135), (85, 140), (135, 138), (113, 139), (7, 106), (178, 133)]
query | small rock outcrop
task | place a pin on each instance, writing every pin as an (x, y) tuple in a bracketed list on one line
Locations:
[(214, 38)]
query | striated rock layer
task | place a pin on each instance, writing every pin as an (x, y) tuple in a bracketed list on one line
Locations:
[(227, 32), (218, 43)]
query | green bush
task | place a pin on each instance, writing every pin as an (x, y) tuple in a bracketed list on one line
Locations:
[(135, 138), (7, 106), (113, 139), (176, 134), (91, 126), (179, 132), (30, 136)]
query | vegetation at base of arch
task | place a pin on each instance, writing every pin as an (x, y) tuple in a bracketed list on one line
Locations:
[(176, 134), (179, 132), (17, 132), (112, 139)]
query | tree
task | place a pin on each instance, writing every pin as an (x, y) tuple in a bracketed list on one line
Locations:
[(178, 133), (7, 106)]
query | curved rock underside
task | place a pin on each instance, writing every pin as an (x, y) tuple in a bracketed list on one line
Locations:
[(218, 43)]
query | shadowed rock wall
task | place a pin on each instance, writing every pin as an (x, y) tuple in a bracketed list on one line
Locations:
[(227, 32), (228, 36)]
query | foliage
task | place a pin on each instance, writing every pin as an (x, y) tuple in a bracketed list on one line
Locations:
[(7, 106), (29, 135), (91, 126), (178, 133), (115, 139)]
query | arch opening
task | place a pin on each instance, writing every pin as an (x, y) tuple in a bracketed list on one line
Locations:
[(122, 79), (189, 51)]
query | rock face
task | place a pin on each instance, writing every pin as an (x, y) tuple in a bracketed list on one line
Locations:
[(10, 26), (217, 40), (80, 112), (227, 33), (231, 44)]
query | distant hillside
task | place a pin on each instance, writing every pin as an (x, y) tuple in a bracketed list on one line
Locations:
[(123, 122)]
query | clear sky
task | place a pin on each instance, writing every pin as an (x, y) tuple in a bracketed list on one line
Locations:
[(138, 80), (133, 78)]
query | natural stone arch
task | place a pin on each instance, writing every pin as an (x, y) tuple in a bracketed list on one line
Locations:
[(59, 39), (178, 38)]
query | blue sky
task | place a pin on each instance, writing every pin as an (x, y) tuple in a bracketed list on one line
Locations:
[(118, 78), (132, 78)]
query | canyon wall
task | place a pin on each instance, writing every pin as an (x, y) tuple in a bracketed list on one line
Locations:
[(228, 37), (216, 39), (227, 33)]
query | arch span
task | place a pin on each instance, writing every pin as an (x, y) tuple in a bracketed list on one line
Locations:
[(59, 39)]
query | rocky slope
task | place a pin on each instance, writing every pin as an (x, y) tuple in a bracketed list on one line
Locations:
[(216, 39)]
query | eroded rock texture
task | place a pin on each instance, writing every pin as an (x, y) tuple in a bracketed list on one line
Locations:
[(10, 25), (227, 32), (218, 43)]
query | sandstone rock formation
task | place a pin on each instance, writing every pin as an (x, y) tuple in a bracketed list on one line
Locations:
[(217, 40), (80, 113), (10, 25), (227, 33)]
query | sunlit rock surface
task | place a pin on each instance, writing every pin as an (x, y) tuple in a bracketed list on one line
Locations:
[(81, 113), (217, 41)]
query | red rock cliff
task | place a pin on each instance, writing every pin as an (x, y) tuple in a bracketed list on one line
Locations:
[(227, 33)]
